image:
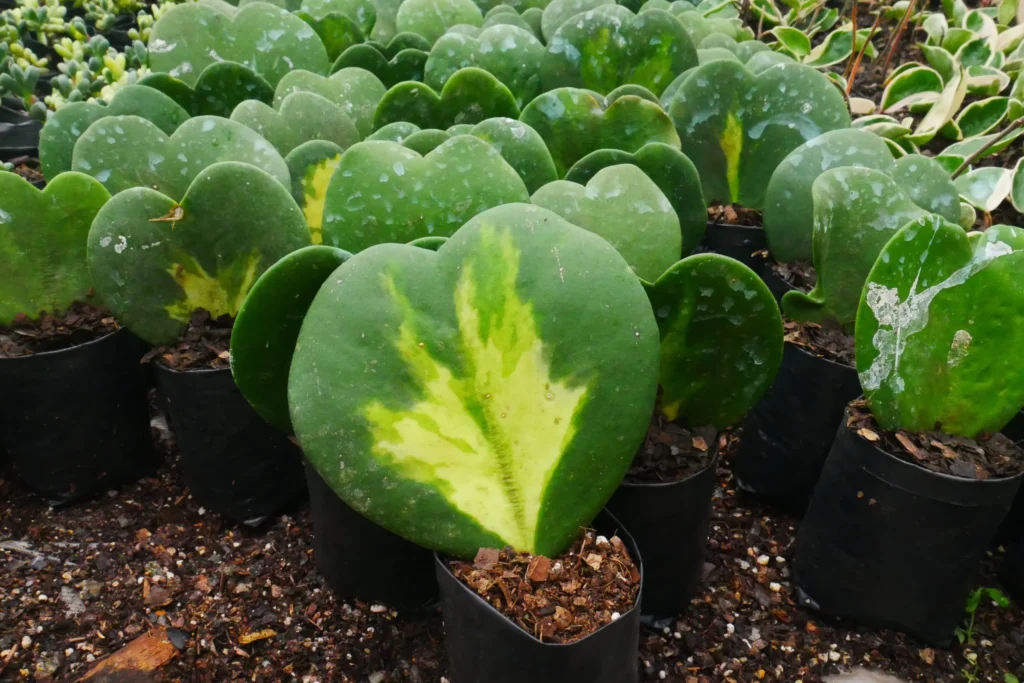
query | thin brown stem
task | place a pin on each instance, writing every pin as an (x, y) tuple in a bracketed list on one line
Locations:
[(860, 53), (853, 44), (988, 145), (899, 36)]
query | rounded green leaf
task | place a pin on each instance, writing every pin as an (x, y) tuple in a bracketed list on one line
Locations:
[(155, 261), (793, 39), (394, 132), (356, 91), (336, 31), (985, 188), (521, 147), (471, 95), (670, 170), (721, 339), (384, 28), (839, 46), (624, 206), (303, 116), (42, 243), (978, 51), (407, 65), (928, 185), (604, 49), (919, 84), (311, 166), (269, 40), (557, 12), (432, 18), (789, 205), (1017, 186), (425, 141), (985, 81), (941, 60), (220, 88), (497, 409), (937, 325), (362, 12), (267, 326), (737, 126), (942, 112), (574, 123), (981, 117), (383, 192)]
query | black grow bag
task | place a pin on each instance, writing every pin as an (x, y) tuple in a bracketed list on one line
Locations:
[(75, 422), (788, 434), (234, 462), (670, 523), (740, 242), (887, 543), (360, 559), (19, 134), (1012, 528), (486, 647)]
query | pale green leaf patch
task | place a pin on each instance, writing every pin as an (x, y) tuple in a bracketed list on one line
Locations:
[(985, 188)]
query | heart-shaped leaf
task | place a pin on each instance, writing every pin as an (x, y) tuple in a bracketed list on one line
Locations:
[(220, 88), (510, 54), (575, 122), (385, 28), (155, 261), (311, 166), (406, 65), (398, 132), (499, 411), (506, 15), (383, 192), (521, 147), (919, 84), (67, 124), (269, 40), (471, 95), (737, 126), (42, 242), (789, 205), (981, 117), (301, 117), (557, 12), (669, 169), (432, 18), (985, 188), (624, 206), (721, 339), (935, 323), (337, 32), (603, 49), (127, 151), (356, 91), (362, 12)]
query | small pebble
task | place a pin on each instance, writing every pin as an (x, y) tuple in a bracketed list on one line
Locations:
[(775, 587)]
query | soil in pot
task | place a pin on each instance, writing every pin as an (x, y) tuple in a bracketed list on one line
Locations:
[(510, 617), (899, 523), (666, 499), (785, 277), (736, 232), (75, 422), (234, 462)]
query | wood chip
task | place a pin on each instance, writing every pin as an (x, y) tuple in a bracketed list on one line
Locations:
[(866, 433), (910, 446), (158, 596), (594, 561), (253, 636), (700, 444), (485, 558), (146, 653), (538, 569), (947, 452)]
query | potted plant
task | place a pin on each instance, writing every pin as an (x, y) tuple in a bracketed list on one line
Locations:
[(918, 479), (76, 421), (176, 272)]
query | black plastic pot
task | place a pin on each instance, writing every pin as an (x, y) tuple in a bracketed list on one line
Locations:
[(360, 559), (788, 434), (670, 523), (75, 422), (776, 285), (233, 461), (740, 242), (1012, 528), (19, 134), (486, 647), (887, 543)]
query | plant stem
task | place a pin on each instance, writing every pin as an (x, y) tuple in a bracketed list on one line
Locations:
[(987, 146), (899, 35), (853, 44), (860, 53)]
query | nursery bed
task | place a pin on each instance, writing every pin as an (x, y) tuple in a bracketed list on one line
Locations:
[(246, 604)]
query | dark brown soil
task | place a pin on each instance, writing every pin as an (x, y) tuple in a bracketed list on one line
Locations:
[(205, 345), (28, 168), (825, 341), (799, 275), (734, 215), (671, 452), (80, 324), (992, 458), (557, 600)]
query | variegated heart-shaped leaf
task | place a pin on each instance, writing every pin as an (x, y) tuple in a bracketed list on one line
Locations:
[(311, 166)]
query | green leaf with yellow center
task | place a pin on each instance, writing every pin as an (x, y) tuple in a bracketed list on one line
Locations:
[(311, 165), (155, 261), (493, 392)]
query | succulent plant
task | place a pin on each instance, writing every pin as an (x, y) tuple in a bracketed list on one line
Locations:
[(311, 166), (357, 91), (155, 260), (219, 88), (42, 243), (934, 322), (299, 118), (470, 95), (432, 18), (403, 59)]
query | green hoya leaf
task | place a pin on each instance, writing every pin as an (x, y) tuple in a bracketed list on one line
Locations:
[(575, 122), (127, 151), (302, 116), (471, 95), (604, 49), (356, 91), (721, 339), (336, 31), (624, 206), (935, 25), (432, 18), (398, 132), (737, 126), (988, 143), (269, 40), (521, 147), (155, 261), (838, 46), (406, 65), (1017, 186), (793, 39), (504, 15), (669, 169), (940, 60), (384, 28), (558, 12), (267, 327), (384, 192), (928, 184), (425, 141), (220, 87), (984, 81), (985, 188), (789, 205), (942, 112), (311, 165), (983, 116), (65, 126), (42, 242), (935, 322), (916, 85), (362, 12), (512, 55), (499, 410), (975, 52)]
